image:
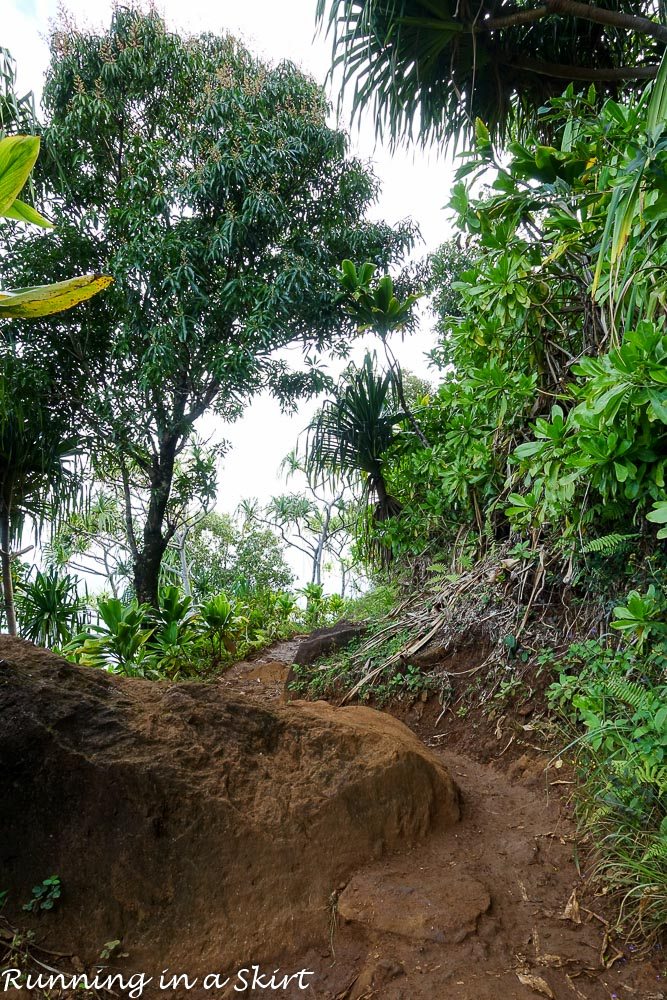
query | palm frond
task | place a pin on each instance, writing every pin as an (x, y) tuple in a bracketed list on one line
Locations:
[(427, 70)]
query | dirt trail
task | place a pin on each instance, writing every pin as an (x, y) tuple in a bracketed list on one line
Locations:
[(492, 909), (202, 822)]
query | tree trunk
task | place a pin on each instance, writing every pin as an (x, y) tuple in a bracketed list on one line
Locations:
[(148, 559), (321, 542), (5, 556), (185, 569)]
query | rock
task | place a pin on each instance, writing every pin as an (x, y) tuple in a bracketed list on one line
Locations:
[(395, 905), (327, 640), (199, 830)]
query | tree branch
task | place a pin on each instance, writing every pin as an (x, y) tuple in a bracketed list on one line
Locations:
[(585, 74), (573, 8), (614, 18), (512, 19)]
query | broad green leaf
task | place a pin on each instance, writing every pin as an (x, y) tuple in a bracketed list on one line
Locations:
[(26, 213), (659, 513), (17, 158), (44, 300)]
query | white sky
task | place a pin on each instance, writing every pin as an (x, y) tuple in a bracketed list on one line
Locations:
[(414, 184)]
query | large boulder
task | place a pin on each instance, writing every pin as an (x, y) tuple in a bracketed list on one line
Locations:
[(196, 829), (327, 640)]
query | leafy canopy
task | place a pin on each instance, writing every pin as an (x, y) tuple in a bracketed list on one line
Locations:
[(213, 190)]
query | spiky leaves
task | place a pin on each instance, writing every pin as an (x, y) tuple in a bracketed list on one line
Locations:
[(429, 68), (351, 434)]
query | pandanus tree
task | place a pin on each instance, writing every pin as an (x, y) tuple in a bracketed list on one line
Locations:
[(429, 68), (352, 433), (220, 199)]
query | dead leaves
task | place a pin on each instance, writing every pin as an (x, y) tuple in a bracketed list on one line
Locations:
[(572, 911), (536, 983)]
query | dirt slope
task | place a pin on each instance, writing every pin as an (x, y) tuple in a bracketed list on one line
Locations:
[(197, 828), (482, 909), (495, 907)]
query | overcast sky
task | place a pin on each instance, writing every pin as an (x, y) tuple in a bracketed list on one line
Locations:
[(414, 184)]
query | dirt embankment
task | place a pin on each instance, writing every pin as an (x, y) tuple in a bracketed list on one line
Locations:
[(198, 829), (213, 826)]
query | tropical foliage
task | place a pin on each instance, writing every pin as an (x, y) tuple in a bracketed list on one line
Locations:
[(35, 437), (524, 488), (213, 189), (429, 69)]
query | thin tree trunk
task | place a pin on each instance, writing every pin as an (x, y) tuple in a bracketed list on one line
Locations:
[(148, 560), (321, 542), (185, 569), (5, 556)]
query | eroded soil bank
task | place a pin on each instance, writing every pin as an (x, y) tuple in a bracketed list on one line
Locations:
[(212, 826)]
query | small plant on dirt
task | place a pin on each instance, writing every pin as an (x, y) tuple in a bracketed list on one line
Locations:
[(112, 949), (4, 893), (508, 690), (411, 682), (641, 617), (223, 623), (45, 895)]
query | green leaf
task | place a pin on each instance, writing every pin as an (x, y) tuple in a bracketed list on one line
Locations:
[(26, 213), (659, 513), (17, 158), (657, 108)]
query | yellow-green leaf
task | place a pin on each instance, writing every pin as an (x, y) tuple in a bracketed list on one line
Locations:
[(482, 137), (44, 300), (17, 158), (657, 108), (26, 213)]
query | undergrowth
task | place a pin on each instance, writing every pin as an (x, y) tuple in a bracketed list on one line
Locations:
[(614, 703)]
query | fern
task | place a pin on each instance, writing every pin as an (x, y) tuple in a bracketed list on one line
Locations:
[(657, 851), (632, 694), (609, 545), (611, 510)]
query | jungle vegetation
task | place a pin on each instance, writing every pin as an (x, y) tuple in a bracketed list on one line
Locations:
[(524, 486)]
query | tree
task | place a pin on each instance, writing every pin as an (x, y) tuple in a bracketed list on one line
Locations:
[(375, 307), (35, 428), (95, 540), (431, 67), (36, 475), (351, 434), (225, 556), (212, 186), (312, 524)]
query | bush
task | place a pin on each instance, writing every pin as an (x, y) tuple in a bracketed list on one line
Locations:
[(619, 699)]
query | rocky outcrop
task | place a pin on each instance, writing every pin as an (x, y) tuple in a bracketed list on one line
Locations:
[(327, 640), (196, 828)]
